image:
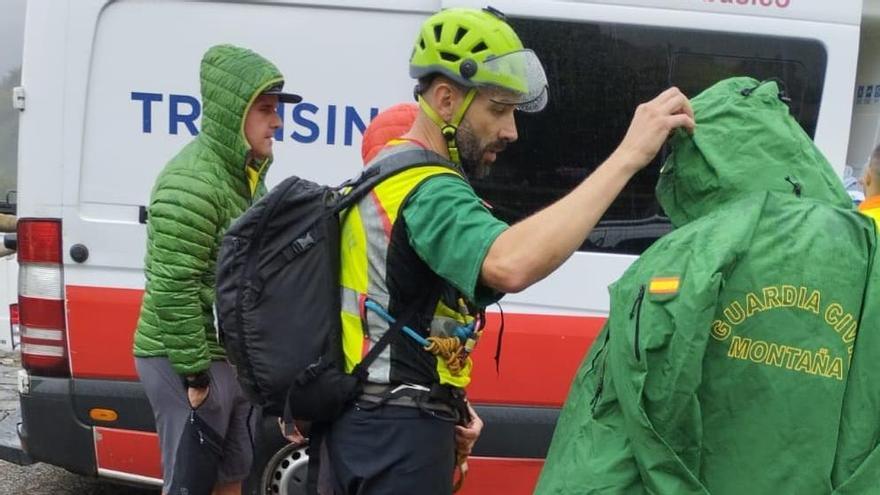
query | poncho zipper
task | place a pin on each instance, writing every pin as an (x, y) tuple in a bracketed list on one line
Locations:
[(601, 385), (636, 313)]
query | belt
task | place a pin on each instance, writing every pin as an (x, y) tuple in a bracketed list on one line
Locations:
[(439, 401)]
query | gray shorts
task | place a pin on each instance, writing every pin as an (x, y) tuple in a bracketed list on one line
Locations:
[(226, 410)]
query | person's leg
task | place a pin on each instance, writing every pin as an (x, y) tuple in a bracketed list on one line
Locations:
[(238, 446), (325, 477), (167, 397), (391, 450)]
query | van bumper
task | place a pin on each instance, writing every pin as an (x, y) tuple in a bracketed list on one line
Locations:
[(50, 431), (55, 426), (11, 449)]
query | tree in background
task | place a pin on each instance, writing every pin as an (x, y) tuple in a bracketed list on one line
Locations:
[(8, 133)]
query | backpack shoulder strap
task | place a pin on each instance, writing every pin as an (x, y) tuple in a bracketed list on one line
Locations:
[(387, 167), (396, 329)]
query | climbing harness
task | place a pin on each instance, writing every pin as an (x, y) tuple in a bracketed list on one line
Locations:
[(454, 350)]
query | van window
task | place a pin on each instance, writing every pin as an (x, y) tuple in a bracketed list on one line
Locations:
[(598, 74)]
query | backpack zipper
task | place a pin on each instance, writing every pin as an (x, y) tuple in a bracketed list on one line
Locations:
[(636, 312)]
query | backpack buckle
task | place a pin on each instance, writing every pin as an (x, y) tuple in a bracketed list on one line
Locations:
[(299, 246)]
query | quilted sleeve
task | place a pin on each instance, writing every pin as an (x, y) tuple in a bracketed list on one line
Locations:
[(183, 225)]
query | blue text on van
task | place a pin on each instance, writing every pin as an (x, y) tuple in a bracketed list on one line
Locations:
[(307, 119)]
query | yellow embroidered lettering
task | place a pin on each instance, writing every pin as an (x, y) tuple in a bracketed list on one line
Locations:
[(720, 330), (793, 354), (813, 302), (805, 363), (739, 347), (753, 305), (734, 313), (802, 297), (775, 355), (771, 297), (820, 362), (832, 313), (789, 296), (836, 369), (758, 351)]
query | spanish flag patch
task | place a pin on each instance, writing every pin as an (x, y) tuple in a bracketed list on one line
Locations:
[(664, 286)]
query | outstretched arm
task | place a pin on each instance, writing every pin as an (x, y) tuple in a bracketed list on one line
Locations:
[(533, 248)]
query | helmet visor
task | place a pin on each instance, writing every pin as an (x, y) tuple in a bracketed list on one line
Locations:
[(521, 75)]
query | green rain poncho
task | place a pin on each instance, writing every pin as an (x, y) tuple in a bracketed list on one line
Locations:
[(741, 354)]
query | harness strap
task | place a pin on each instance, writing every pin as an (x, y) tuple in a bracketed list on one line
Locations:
[(441, 401)]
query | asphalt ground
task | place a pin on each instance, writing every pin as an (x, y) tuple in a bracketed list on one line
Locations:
[(42, 479)]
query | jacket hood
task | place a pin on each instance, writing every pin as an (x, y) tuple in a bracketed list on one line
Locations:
[(231, 79), (746, 141)]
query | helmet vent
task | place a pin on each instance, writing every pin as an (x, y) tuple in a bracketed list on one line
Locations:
[(422, 43), (479, 47), (460, 34), (438, 30), (449, 57)]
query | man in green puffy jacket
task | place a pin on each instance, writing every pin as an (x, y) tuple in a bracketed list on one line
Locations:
[(209, 183), (739, 355)]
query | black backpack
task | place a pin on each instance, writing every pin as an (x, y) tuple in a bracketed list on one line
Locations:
[(278, 294)]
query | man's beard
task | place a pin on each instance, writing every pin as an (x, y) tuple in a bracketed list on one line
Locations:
[(471, 153)]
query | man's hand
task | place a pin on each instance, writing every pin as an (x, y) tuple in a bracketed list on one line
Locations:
[(466, 436), (196, 396), (291, 432), (651, 125)]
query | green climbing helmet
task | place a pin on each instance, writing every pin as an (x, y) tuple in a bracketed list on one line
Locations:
[(478, 49)]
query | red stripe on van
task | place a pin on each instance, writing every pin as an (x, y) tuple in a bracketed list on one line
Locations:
[(498, 475), (539, 356), (137, 452), (100, 331), (128, 451)]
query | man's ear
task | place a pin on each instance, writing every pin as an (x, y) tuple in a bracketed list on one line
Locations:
[(446, 98), (868, 178)]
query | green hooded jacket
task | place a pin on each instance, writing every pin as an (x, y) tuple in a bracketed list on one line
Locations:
[(731, 361), (195, 198)]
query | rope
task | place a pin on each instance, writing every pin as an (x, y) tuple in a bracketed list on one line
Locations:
[(450, 349)]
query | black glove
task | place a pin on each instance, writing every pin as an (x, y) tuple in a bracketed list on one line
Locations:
[(199, 380)]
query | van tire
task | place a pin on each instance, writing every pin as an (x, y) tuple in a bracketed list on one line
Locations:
[(287, 472), (271, 451)]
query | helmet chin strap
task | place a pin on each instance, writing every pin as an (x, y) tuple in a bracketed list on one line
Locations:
[(449, 129)]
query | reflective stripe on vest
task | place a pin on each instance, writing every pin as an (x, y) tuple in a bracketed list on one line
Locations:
[(365, 238)]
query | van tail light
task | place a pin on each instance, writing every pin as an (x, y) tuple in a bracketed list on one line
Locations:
[(14, 336), (42, 323)]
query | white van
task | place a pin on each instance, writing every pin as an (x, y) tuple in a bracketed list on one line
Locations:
[(110, 93)]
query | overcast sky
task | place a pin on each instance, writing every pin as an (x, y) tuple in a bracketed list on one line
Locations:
[(11, 34)]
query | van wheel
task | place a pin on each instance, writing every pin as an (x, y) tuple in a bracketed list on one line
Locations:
[(287, 471)]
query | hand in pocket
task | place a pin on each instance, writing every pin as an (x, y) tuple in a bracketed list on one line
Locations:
[(197, 396)]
